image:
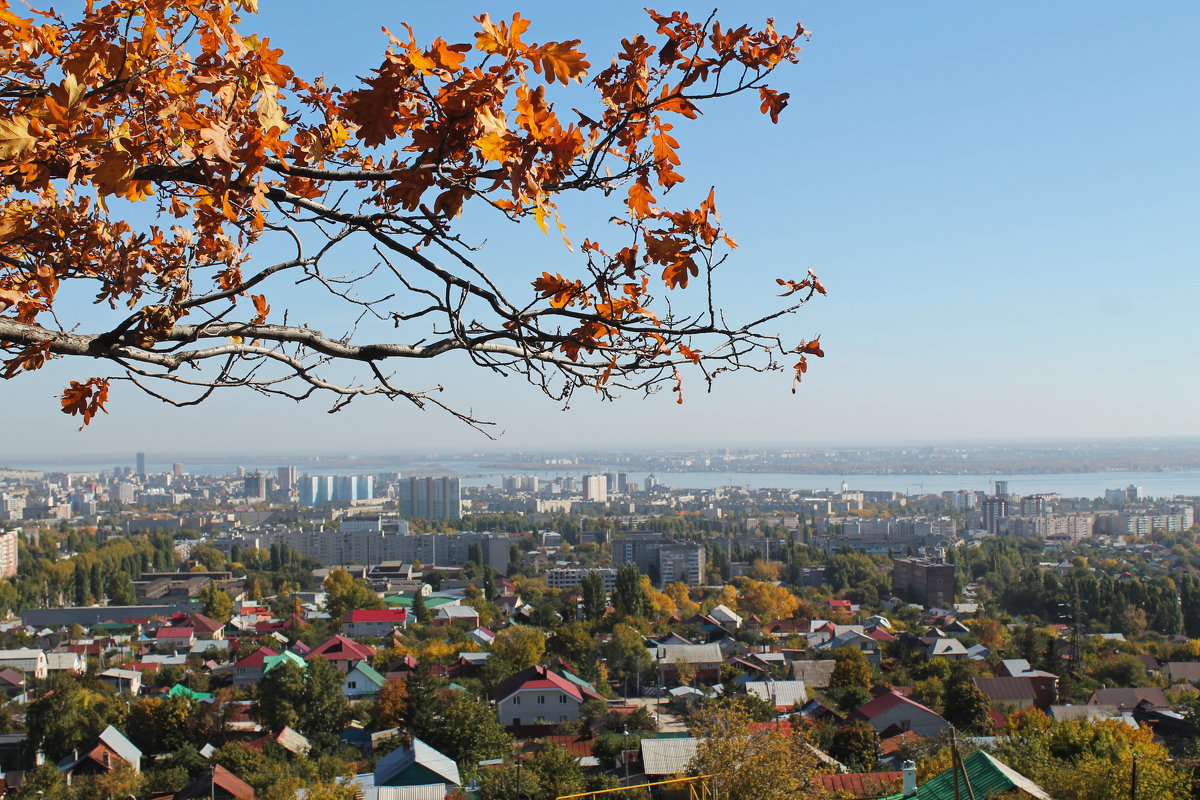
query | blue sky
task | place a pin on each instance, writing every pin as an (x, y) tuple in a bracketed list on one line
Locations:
[(1002, 199)]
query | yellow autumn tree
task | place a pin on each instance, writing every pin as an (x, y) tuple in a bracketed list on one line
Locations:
[(748, 760), (767, 600)]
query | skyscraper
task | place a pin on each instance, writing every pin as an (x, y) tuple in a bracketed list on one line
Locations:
[(141, 463), (429, 498), (287, 478)]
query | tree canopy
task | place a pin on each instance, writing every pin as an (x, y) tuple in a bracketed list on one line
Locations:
[(213, 199)]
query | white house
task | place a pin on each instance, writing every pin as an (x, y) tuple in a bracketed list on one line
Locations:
[(539, 696), (726, 616), (26, 659)]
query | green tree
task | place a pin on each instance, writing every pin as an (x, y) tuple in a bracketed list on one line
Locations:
[(629, 597), (595, 599), (277, 696), (217, 603), (309, 700), (855, 745), (966, 707), (68, 716), (625, 653), (345, 593), (423, 696), (575, 645), (163, 724), (120, 589), (420, 611), (556, 771), (466, 730), (851, 668)]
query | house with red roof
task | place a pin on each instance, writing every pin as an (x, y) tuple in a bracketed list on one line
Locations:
[(342, 652), (216, 783), (174, 639), (374, 622), (206, 627), (248, 671), (859, 784), (538, 695), (891, 713)]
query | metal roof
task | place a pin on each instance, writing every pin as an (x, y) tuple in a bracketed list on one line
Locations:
[(667, 756), (988, 777)]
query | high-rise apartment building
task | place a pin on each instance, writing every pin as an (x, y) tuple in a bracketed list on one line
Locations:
[(256, 487), (664, 560), (287, 479), (995, 512), (595, 488), (930, 583), (429, 498), (8, 554)]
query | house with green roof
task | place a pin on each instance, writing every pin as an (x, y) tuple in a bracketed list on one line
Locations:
[(987, 777), (287, 656), (179, 690), (362, 681)]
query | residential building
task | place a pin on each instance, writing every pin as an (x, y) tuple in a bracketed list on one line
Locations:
[(376, 623), (429, 498), (930, 583), (891, 713), (420, 769), (595, 489), (567, 578), (8, 553), (538, 695), (995, 514), (664, 560), (28, 660)]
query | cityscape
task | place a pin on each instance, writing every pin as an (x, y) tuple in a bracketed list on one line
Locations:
[(547, 401), (881, 621)]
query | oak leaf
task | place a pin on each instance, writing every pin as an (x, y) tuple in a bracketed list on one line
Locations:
[(85, 399), (772, 102), (15, 137), (561, 61)]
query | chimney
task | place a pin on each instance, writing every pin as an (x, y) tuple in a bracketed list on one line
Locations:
[(909, 771)]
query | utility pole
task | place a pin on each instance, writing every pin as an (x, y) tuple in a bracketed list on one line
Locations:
[(1133, 780), (954, 761)]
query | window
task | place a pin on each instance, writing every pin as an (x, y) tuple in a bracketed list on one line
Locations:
[(562, 698), (516, 700), (541, 699), (351, 684)]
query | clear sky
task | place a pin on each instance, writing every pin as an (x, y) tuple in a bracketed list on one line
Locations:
[(1001, 197)]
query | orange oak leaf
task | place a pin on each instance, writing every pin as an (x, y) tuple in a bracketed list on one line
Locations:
[(561, 61), (261, 307), (793, 286), (812, 276), (561, 291), (85, 399), (692, 355), (772, 102), (811, 348), (676, 275), (640, 199)]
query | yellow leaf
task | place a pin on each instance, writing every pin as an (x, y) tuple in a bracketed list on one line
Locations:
[(270, 115), (493, 147), (15, 137)]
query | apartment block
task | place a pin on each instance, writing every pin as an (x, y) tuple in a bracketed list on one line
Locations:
[(918, 580)]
